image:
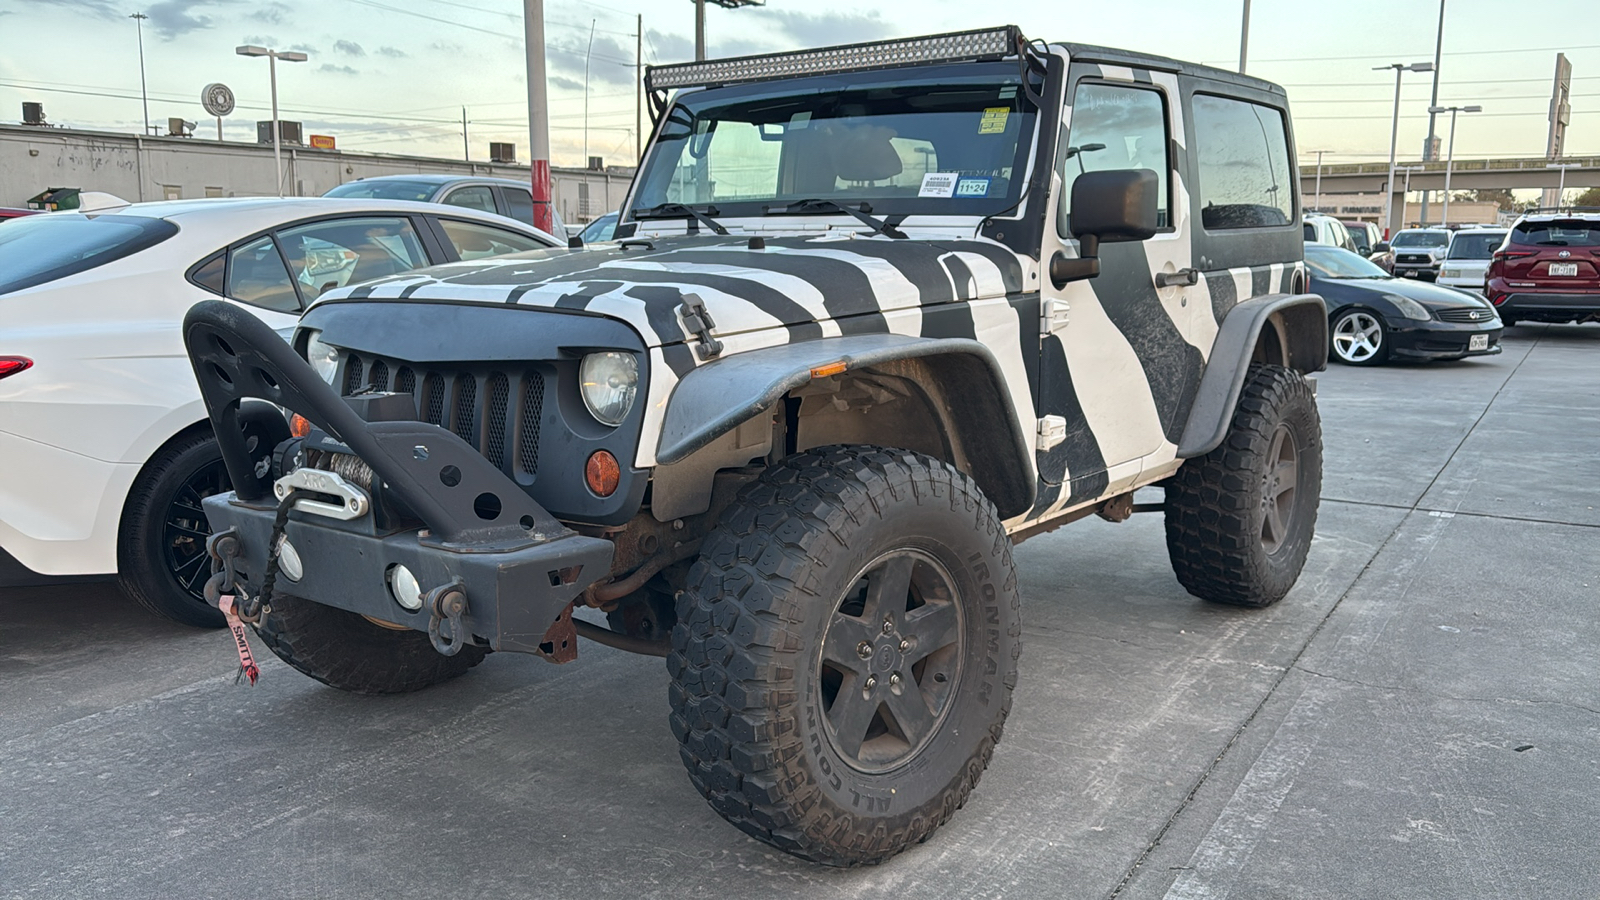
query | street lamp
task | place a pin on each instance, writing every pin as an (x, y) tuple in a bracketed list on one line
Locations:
[(1394, 133), (272, 73), (1317, 206), (1406, 170), (1450, 153), (138, 23), (1562, 188), (700, 21)]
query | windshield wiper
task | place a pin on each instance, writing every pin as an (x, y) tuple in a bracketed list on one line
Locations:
[(860, 211), (681, 211)]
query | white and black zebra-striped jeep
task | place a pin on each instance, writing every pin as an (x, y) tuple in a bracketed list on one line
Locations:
[(875, 312)]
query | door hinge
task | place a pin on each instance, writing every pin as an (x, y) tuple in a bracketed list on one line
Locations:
[(697, 321), (1053, 314), (1052, 431)]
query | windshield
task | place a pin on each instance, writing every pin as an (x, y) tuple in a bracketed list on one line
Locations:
[(37, 249), (385, 190), (1559, 233), (600, 229), (1478, 245), (1337, 262), (1362, 240), (949, 140), (1421, 239)]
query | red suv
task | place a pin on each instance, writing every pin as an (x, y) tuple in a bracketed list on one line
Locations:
[(1548, 270)]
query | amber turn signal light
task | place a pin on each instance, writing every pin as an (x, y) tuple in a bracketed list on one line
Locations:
[(602, 473), (299, 425)]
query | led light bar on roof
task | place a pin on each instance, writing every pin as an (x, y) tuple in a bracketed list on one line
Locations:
[(993, 43)]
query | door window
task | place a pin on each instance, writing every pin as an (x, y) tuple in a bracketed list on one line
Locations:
[(519, 204), (256, 276), (1242, 159), (475, 241), (338, 252), (1113, 127), (480, 198)]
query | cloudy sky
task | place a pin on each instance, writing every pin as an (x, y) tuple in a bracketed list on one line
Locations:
[(393, 75)]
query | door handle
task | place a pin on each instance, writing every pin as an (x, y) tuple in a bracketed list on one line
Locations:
[(1184, 277)]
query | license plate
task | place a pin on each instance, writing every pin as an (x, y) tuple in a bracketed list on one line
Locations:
[(1412, 273), (1478, 342), (1563, 268)]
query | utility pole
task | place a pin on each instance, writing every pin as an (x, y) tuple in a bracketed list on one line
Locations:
[(138, 23), (538, 114), (586, 57), (466, 149), (638, 88), (1433, 103), (1244, 38), (699, 30)]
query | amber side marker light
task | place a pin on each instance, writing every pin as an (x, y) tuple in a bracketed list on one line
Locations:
[(833, 368), (11, 365), (602, 473), (299, 426)]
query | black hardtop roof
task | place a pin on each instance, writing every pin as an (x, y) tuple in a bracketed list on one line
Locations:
[(1133, 59)]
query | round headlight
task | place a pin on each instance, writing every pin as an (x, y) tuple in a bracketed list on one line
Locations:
[(324, 358), (610, 383)]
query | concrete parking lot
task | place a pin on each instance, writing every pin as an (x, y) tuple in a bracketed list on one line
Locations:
[(1420, 718)]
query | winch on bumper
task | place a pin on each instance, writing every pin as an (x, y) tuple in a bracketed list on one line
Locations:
[(483, 538)]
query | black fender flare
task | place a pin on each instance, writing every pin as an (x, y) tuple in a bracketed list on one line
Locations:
[(715, 398), (1297, 330)]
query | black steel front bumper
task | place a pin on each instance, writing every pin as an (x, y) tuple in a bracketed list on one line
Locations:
[(517, 566)]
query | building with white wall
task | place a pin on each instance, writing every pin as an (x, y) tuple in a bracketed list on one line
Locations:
[(136, 168)]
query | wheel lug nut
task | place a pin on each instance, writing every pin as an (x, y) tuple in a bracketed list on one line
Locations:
[(872, 682), (888, 625), (905, 645), (864, 649), (894, 680)]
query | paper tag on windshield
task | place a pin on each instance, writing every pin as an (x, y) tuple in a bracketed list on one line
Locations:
[(938, 184)]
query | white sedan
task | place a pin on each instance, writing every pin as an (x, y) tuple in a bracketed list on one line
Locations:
[(105, 447)]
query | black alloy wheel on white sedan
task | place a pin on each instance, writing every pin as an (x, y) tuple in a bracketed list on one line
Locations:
[(1359, 338)]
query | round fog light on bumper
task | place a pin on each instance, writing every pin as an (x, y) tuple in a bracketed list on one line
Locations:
[(289, 564), (403, 587)]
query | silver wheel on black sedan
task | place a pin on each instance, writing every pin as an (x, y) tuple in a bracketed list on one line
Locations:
[(1359, 338)]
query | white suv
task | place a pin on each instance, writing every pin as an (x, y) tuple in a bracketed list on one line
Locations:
[(1466, 263), (1320, 229)]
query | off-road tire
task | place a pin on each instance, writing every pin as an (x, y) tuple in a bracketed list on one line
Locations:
[(349, 652), (144, 572), (747, 653), (1214, 508)]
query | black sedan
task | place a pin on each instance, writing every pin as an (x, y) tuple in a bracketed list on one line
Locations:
[(1374, 316)]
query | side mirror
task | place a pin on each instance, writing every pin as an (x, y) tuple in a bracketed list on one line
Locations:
[(1380, 247), (1111, 206)]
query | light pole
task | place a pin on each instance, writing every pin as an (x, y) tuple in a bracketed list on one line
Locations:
[(138, 24), (586, 56), (538, 114), (1427, 147), (1450, 153), (1562, 184), (700, 21), (1407, 170), (1394, 134), (1244, 37), (1317, 206), (272, 75)]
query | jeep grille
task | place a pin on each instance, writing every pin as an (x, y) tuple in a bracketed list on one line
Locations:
[(495, 410)]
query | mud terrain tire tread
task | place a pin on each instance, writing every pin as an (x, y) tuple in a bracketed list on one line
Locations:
[(346, 651), (1212, 507), (735, 694)]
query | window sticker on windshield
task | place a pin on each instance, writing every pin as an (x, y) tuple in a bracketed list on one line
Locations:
[(938, 184), (994, 120), (972, 187)]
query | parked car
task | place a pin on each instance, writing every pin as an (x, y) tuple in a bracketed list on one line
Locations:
[(600, 229), (1321, 229), (508, 197), (1369, 243), (1374, 316), (106, 446), (872, 318), (1466, 262), (1418, 251), (1546, 271)]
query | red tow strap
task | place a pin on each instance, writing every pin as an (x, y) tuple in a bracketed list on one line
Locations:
[(247, 661)]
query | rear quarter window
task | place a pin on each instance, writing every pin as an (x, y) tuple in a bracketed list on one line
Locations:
[(38, 249), (1242, 164)]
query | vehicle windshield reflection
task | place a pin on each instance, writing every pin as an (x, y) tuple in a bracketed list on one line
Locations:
[(1337, 262)]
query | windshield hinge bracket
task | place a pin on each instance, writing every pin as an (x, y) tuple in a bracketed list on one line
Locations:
[(697, 321)]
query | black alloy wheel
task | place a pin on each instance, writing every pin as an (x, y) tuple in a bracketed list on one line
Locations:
[(184, 534)]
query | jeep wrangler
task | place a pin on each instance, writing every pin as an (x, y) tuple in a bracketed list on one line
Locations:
[(873, 313)]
